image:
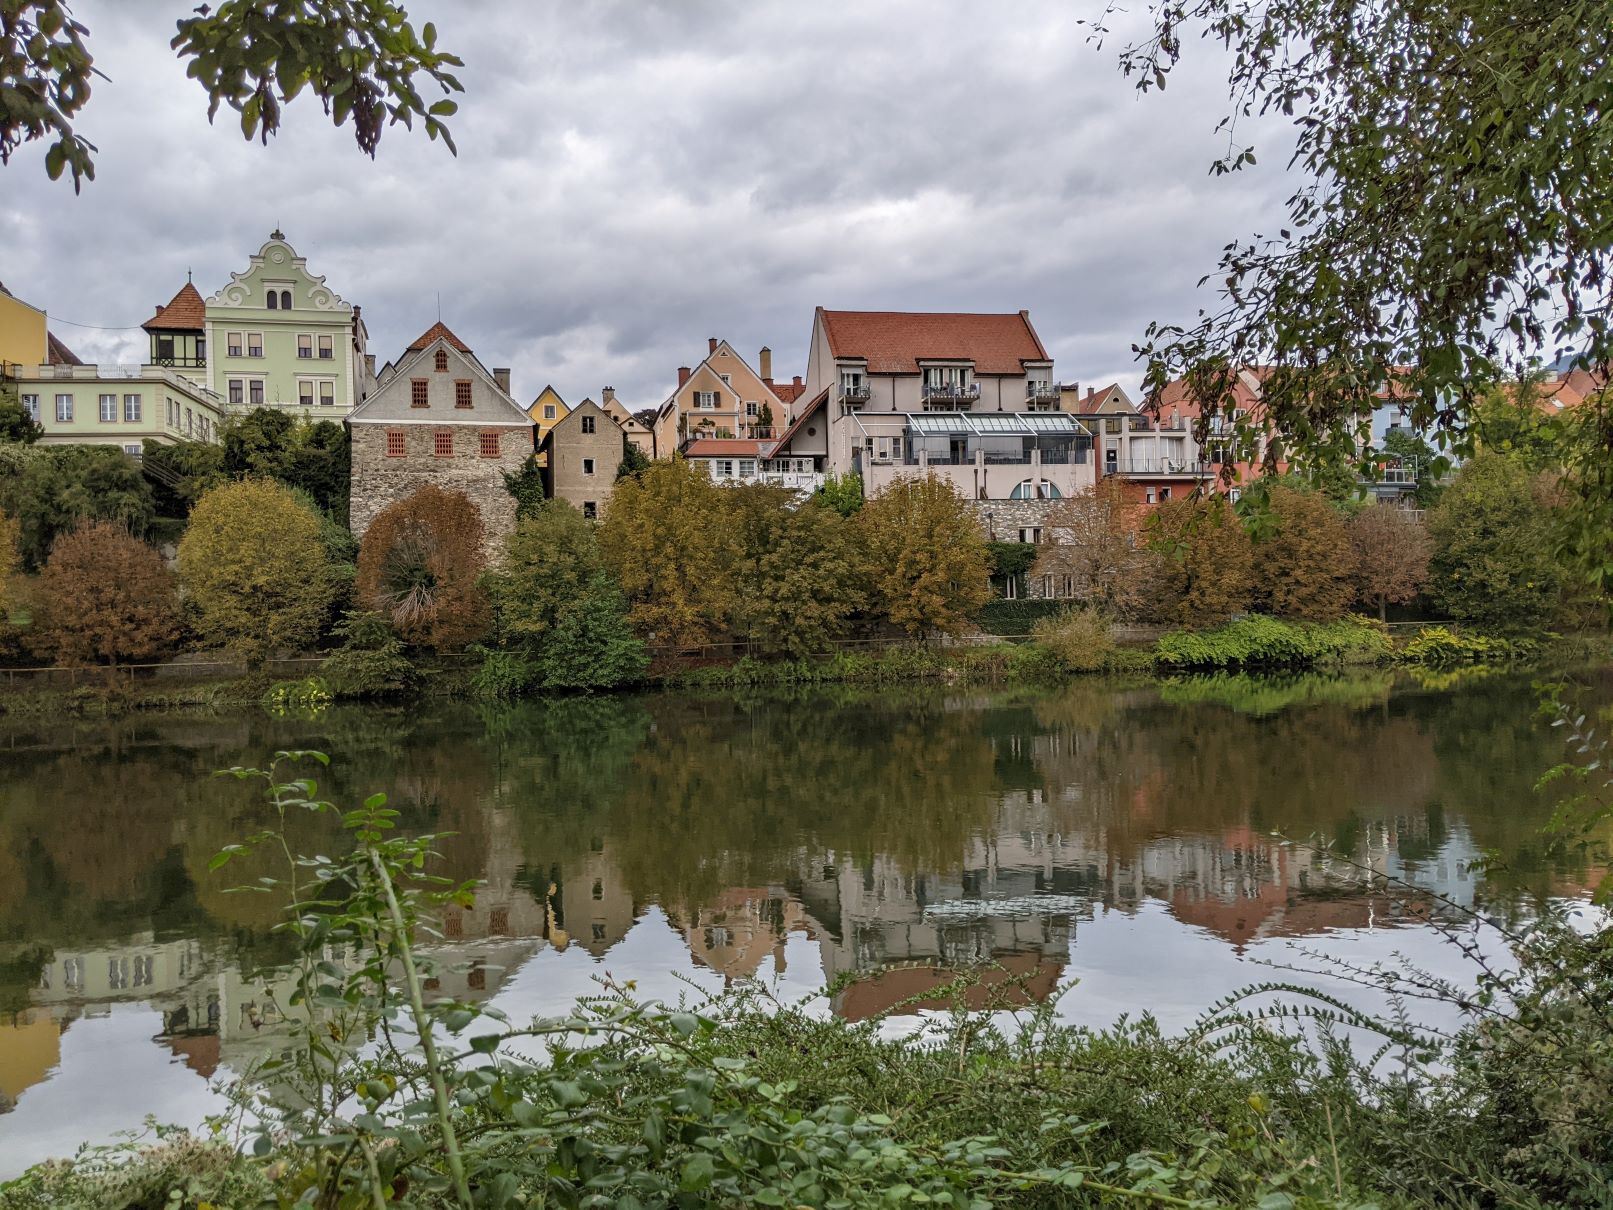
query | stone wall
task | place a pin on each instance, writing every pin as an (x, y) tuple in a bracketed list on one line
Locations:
[(1001, 520), (379, 480)]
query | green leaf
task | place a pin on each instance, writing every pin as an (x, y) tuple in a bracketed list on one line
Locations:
[(698, 1173)]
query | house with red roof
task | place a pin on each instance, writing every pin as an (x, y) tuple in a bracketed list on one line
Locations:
[(1154, 457), (722, 398), (968, 397)]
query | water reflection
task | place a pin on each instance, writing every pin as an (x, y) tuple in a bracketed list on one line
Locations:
[(909, 836)]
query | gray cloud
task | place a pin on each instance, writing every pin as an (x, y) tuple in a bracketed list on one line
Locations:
[(636, 176)]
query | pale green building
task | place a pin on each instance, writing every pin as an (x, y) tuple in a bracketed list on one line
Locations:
[(278, 336), (117, 405)]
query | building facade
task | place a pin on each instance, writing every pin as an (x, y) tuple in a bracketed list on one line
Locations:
[(1155, 458), (580, 457), (739, 462), (639, 435), (722, 397), (438, 416), (23, 336), (278, 336), (117, 405), (546, 411), (178, 334)]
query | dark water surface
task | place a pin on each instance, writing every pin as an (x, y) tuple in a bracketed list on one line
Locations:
[(1128, 839)]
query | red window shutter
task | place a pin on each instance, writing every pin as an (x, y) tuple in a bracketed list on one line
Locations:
[(394, 445), (445, 443), (489, 445)]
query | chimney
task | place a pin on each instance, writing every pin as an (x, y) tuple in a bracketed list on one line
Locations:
[(1090, 392), (607, 394), (766, 360), (797, 382), (369, 364), (683, 375), (501, 375), (711, 345)]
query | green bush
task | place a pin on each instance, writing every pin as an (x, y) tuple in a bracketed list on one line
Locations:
[(504, 674), (1015, 617), (591, 645), (371, 662), (1439, 646), (1081, 639), (311, 693), (1261, 641)]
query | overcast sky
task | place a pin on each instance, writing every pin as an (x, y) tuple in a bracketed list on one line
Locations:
[(634, 177)]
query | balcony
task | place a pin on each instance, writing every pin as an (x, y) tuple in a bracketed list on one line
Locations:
[(1165, 467), (182, 363), (799, 481), (950, 396), (855, 396), (1042, 392)]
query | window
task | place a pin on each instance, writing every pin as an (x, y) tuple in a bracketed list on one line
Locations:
[(1069, 586), (285, 300), (462, 393), (442, 361), (1011, 588), (255, 392), (201, 349), (327, 349), (254, 344), (232, 343), (750, 408), (305, 394), (747, 467), (548, 411), (706, 400), (723, 468), (134, 450), (489, 445), (1164, 493), (131, 409), (109, 409), (394, 445), (419, 393), (1148, 496), (587, 466), (237, 391), (274, 300), (327, 394), (445, 443), (64, 409), (587, 424), (305, 347), (1031, 534), (599, 888), (30, 404), (165, 348), (590, 510)]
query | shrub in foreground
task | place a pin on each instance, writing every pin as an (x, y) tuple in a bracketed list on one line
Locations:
[(1259, 640), (420, 563), (103, 597), (1079, 638)]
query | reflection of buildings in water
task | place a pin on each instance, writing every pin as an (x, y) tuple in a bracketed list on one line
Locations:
[(744, 927)]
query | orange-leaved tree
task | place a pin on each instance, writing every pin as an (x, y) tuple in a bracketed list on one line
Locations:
[(1392, 549), (925, 556), (1091, 541), (1306, 563), (420, 563), (1203, 570), (103, 597)]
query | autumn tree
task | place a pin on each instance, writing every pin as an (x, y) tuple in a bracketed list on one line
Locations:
[(797, 578), (8, 562), (55, 489), (253, 569), (664, 540), (925, 556), (549, 558), (1091, 540), (1202, 569), (1305, 558), (103, 597), (1391, 555), (420, 562), (1492, 559)]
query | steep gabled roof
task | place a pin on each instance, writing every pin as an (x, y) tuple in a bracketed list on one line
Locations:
[(438, 329), (818, 401), (893, 342), (185, 312), (58, 354)]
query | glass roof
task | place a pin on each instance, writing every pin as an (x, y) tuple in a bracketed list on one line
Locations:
[(996, 423)]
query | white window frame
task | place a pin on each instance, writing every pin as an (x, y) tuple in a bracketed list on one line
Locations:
[(133, 409), (255, 386), (250, 336), (64, 408), (705, 401), (30, 404), (588, 466), (309, 337), (234, 344), (108, 409), (747, 468), (325, 348)]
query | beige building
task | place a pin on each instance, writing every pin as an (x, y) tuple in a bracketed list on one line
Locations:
[(638, 434), (438, 416), (580, 457), (722, 397)]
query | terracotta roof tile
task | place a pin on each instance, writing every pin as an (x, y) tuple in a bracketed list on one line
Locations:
[(724, 447), (894, 341), (432, 333), (788, 392), (58, 354), (185, 312)]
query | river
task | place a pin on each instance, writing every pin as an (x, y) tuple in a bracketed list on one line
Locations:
[(1136, 849)]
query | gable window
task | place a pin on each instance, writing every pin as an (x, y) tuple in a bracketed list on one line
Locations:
[(109, 409), (255, 392), (274, 300), (750, 409), (394, 445), (327, 394), (285, 300), (590, 510), (444, 445), (131, 409), (237, 391), (64, 409), (232, 343), (254, 344), (587, 424), (489, 445), (587, 466), (706, 400), (419, 393), (548, 411), (30, 404), (327, 349), (442, 361), (727, 380), (462, 393)]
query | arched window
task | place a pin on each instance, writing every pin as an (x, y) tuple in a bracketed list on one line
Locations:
[(274, 300), (442, 359), (1026, 489), (285, 300)]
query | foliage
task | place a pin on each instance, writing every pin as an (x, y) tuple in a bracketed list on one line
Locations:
[(305, 696), (359, 57), (1080, 638), (1092, 540), (1015, 617), (1410, 448), (1390, 555), (1010, 561), (254, 570), (16, 425), (1202, 572), (549, 557), (633, 461), (193, 466), (504, 674), (526, 485), (1516, 421), (56, 488), (8, 565), (1264, 696), (843, 493), (103, 597), (1584, 539), (1263, 641), (370, 662), (592, 646), (313, 456), (1438, 646), (1493, 560), (925, 556), (1305, 558), (419, 564), (663, 539), (796, 574)]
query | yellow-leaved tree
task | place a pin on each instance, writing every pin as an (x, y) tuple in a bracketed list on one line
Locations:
[(925, 556), (254, 570)]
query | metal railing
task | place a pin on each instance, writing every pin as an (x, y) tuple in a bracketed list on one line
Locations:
[(1041, 392), (950, 392), (1157, 466), (856, 395)]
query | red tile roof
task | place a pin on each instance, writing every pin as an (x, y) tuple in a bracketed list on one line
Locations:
[(894, 341), (432, 333), (185, 312), (724, 447), (788, 392), (1092, 401), (58, 354), (817, 402)]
